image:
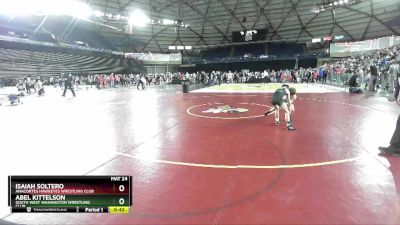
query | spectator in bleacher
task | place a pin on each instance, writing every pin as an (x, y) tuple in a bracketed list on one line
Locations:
[(224, 78), (20, 87), (354, 85), (142, 81), (394, 72), (117, 79), (273, 76), (77, 80), (27, 82), (315, 76), (235, 77), (397, 87), (320, 75), (112, 80), (360, 73), (90, 80), (68, 84), (60, 81), (219, 78), (98, 81), (230, 77), (374, 77), (293, 75), (324, 75), (384, 76), (278, 76), (39, 87), (51, 81), (103, 80)]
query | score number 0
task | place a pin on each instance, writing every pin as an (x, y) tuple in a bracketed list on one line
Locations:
[(121, 188)]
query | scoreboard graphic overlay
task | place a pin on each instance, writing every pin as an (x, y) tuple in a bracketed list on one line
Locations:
[(70, 194)]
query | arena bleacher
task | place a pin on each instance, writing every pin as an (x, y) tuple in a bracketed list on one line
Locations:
[(18, 59)]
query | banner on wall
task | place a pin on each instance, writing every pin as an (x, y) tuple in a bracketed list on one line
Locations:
[(156, 58), (350, 48)]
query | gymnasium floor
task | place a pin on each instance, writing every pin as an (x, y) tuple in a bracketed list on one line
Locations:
[(192, 167)]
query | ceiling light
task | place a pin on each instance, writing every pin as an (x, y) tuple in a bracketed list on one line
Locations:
[(338, 37), (138, 18), (98, 13), (78, 10), (167, 22), (316, 40)]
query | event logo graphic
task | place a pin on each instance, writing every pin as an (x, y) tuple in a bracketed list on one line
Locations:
[(225, 109)]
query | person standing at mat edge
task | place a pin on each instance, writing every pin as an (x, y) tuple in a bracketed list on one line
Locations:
[(68, 85), (374, 77), (142, 81), (394, 147), (394, 80)]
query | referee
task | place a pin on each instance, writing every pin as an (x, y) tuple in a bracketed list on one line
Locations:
[(394, 147), (68, 85)]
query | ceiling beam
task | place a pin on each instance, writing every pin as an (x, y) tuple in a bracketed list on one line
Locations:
[(369, 22), (303, 28), (306, 25), (261, 11), (152, 29), (122, 8), (206, 18), (230, 21), (198, 35), (284, 19), (232, 14), (41, 24), (154, 36), (166, 6), (346, 32), (201, 38), (374, 17)]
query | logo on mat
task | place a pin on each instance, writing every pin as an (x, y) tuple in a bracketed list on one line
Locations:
[(225, 109)]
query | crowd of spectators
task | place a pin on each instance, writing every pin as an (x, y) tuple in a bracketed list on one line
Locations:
[(375, 69), (98, 80)]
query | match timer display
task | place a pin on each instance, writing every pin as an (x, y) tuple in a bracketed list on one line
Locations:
[(70, 194)]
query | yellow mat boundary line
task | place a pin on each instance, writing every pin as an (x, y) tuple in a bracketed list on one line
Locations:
[(215, 166)]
